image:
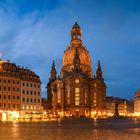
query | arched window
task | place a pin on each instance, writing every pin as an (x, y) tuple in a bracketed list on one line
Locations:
[(68, 96), (79, 37), (77, 91), (85, 97), (73, 36), (94, 99)]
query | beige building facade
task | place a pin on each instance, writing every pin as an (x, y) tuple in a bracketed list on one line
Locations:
[(30, 94), (11, 91), (125, 107)]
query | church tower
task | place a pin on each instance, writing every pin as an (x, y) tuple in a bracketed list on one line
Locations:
[(53, 72), (99, 72)]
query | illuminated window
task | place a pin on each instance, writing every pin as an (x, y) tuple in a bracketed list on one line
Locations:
[(94, 95), (94, 100), (77, 96), (68, 96), (85, 97), (76, 90)]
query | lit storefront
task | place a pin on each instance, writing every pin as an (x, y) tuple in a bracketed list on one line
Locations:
[(9, 115)]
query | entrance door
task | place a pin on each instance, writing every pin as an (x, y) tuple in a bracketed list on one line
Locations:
[(77, 113)]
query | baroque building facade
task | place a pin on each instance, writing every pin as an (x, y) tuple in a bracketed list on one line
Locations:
[(76, 92), (30, 94), (125, 106), (20, 90)]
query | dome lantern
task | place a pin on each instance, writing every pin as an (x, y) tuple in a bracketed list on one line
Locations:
[(76, 34)]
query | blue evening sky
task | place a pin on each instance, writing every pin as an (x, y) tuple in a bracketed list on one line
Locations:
[(34, 32)]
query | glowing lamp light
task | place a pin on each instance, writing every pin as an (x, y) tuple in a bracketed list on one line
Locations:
[(4, 116), (70, 115), (15, 115)]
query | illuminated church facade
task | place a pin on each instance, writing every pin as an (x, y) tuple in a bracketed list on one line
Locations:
[(76, 92)]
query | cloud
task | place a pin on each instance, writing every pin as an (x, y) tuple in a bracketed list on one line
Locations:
[(34, 34)]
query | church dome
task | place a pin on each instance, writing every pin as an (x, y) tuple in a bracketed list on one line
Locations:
[(69, 53)]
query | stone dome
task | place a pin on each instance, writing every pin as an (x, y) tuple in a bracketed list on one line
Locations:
[(69, 53)]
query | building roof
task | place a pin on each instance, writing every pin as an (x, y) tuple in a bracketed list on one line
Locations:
[(20, 71)]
